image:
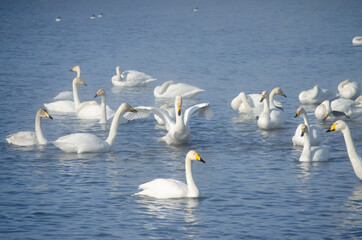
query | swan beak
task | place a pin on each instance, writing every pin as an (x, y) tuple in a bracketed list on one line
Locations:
[(179, 110), (83, 83), (47, 115), (97, 94), (325, 117), (262, 98), (333, 127), (198, 158), (297, 114), (283, 94), (302, 133), (132, 109)]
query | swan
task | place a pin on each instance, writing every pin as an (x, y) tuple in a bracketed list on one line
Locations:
[(316, 95), (178, 129), (351, 150), (58, 19), (67, 106), (86, 142), (131, 78), (349, 89), (96, 111), (318, 153), (100, 15), (340, 108), (357, 41), (171, 89), (171, 112), (65, 95), (315, 138), (28, 138), (269, 118), (92, 17), (171, 188)]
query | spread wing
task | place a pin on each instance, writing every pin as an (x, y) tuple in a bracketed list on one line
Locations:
[(203, 109)]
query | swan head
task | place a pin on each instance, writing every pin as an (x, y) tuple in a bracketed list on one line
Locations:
[(78, 81), (100, 92), (178, 104), (337, 126), (299, 111), (75, 69), (279, 91), (264, 95), (44, 113), (194, 156), (304, 129), (128, 108)]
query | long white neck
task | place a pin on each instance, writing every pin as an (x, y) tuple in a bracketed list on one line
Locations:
[(75, 93), (305, 118), (38, 132), (306, 153), (245, 101), (164, 86), (114, 126), (352, 153), (266, 107), (193, 191), (271, 99), (103, 111), (180, 125)]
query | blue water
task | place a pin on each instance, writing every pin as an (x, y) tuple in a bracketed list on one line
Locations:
[(252, 184)]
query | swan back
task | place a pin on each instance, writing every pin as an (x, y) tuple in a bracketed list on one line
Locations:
[(319, 153)]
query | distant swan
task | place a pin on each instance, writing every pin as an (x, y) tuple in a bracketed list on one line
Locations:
[(316, 95), (315, 138), (357, 40), (269, 118), (178, 129), (171, 188), (348, 89), (351, 150), (86, 142), (339, 109), (27, 138), (131, 78), (58, 19), (318, 153), (171, 89)]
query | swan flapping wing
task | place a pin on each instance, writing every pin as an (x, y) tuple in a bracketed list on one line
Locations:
[(143, 112), (203, 109)]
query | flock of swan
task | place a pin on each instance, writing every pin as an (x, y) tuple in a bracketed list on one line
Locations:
[(267, 112)]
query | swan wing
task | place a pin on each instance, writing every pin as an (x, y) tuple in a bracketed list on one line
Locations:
[(65, 95), (64, 106), (81, 143), (24, 138), (143, 111), (203, 109), (163, 188)]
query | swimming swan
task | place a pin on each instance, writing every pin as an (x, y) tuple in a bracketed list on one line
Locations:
[(96, 111), (315, 138), (316, 95), (357, 40), (27, 138), (171, 89), (339, 109), (67, 106), (348, 89), (86, 142), (269, 118), (171, 188), (355, 159), (131, 78), (318, 153), (178, 129)]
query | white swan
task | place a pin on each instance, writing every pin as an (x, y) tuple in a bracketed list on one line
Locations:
[(27, 138), (171, 89), (339, 109), (67, 106), (171, 188), (65, 95), (96, 111), (58, 19), (315, 138), (316, 95), (357, 40), (269, 118), (131, 78), (349, 89), (178, 130), (318, 153), (86, 142), (171, 112), (351, 150)]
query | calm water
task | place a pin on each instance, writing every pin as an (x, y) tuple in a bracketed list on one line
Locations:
[(252, 184)]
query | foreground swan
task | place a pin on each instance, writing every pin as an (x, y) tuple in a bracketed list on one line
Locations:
[(348, 89), (357, 40), (86, 142), (315, 138), (270, 118), (131, 78), (178, 129), (351, 150), (316, 95), (171, 89), (319, 153), (171, 188), (96, 111), (339, 109), (27, 138), (67, 106)]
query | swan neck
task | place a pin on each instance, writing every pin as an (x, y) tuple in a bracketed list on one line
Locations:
[(38, 132), (75, 94), (266, 106), (271, 99), (164, 86), (193, 191), (245, 101), (103, 111), (306, 153), (305, 118), (114, 126), (351, 150)]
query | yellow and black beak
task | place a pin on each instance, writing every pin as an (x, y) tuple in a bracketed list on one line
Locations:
[(333, 128), (325, 117), (297, 114), (302, 134), (83, 83), (179, 110), (97, 94), (283, 94), (132, 109), (262, 98), (47, 115), (198, 158)]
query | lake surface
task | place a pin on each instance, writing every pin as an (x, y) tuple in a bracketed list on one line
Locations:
[(252, 185)]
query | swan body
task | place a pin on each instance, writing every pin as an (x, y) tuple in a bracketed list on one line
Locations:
[(309, 153), (28, 138), (171, 89), (316, 95), (171, 188), (58, 19), (86, 142), (348, 89), (269, 118), (339, 109), (355, 159), (65, 95), (131, 78), (315, 138), (178, 129), (96, 111), (357, 40)]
